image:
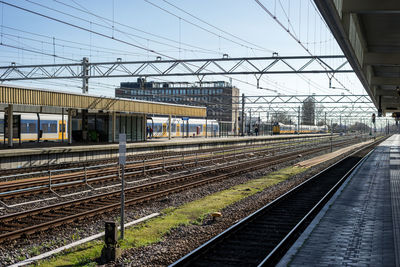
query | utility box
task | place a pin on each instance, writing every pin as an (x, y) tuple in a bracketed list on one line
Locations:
[(111, 237), (110, 251)]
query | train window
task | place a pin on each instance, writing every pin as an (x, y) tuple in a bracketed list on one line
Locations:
[(53, 128), (1, 126), (45, 127), (32, 127), (49, 127), (24, 127)]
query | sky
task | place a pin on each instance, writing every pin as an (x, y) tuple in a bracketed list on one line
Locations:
[(179, 29)]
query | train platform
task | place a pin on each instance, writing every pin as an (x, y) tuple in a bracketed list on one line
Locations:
[(360, 225), (39, 156)]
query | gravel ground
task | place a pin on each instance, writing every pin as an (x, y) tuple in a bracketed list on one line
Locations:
[(179, 242)]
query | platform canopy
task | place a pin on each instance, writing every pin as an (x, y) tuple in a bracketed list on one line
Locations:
[(44, 98), (368, 33)]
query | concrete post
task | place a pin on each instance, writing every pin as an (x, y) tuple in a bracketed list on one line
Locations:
[(69, 126), (10, 123)]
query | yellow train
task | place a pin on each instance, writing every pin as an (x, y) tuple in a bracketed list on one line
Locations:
[(280, 128), (180, 128)]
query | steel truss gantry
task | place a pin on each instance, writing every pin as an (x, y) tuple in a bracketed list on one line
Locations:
[(257, 66), (318, 99), (331, 106)]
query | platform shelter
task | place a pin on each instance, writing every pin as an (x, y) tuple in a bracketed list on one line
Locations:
[(83, 117)]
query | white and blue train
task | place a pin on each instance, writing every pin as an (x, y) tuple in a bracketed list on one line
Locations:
[(54, 128)]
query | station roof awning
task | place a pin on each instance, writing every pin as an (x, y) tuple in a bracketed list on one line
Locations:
[(45, 98), (368, 33)]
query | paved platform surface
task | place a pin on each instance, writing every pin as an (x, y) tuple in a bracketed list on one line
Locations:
[(360, 225)]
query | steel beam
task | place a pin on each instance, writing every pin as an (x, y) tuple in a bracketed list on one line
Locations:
[(189, 67)]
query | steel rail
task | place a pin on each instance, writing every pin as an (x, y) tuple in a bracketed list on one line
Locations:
[(110, 201), (22, 187)]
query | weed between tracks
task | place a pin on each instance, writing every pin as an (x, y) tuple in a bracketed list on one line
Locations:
[(190, 213)]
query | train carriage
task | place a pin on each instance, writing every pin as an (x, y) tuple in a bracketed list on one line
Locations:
[(280, 128), (51, 126), (180, 128)]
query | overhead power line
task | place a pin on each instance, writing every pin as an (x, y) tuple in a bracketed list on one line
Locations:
[(293, 36), (106, 36), (202, 28), (217, 28)]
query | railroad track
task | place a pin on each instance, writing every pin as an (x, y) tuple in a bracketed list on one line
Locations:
[(146, 156), (103, 173), (16, 225), (262, 238)]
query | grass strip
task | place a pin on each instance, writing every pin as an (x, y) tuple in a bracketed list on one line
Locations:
[(193, 212)]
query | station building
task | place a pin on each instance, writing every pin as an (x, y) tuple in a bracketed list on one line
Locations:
[(220, 98), (79, 117)]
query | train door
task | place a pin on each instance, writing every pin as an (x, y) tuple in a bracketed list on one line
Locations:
[(204, 130), (164, 129), (178, 130), (62, 129)]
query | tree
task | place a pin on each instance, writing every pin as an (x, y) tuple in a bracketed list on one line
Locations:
[(308, 111), (282, 117), (359, 127)]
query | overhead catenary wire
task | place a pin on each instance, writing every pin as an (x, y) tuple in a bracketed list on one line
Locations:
[(85, 10), (112, 27), (293, 36), (217, 28), (200, 27), (105, 36), (234, 79)]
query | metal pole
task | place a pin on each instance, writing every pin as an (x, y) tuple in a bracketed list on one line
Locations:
[(62, 130), (38, 127), (85, 75), (206, 125), (122, 201), (331, 134), (298, 120), (69, 128), (169, 127), (243, 125), (10, 125), (250, 122), (122, 162)]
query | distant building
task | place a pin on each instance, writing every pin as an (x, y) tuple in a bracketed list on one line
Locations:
[(220, 98)]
